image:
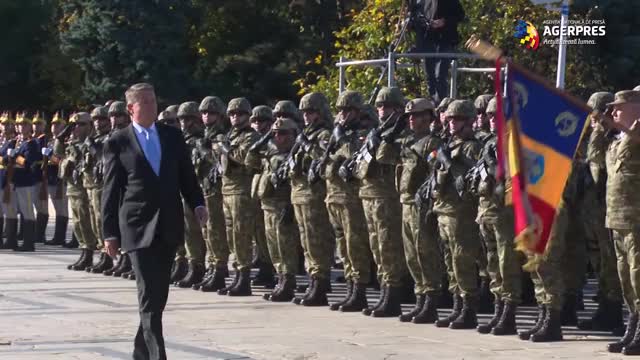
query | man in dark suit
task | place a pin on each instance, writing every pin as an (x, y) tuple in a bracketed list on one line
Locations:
[(146, 170)]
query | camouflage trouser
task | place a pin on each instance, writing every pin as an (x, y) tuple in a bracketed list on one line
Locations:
[(315, 237), (627, 245), (384, 226), (193, 239), (9, 204), (24, 202), (60, 204), (421, 250), (259, 238), (42, 206), (602, 254), (216, 237), (354, 247), (463, 246), (282, 240), (95, 198), (547, 279), (575, 261), (239, 219), (503, 262), (79, 202), (482, 262)]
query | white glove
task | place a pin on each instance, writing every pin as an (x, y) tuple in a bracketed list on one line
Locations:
[(11, 152), (46, 151)]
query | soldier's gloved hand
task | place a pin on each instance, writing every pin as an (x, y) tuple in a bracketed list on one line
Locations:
[(47, 151), (314, 172), (338, 133), (262, 141), (373, 140), (460, 185), (344, 173), (303, 141)]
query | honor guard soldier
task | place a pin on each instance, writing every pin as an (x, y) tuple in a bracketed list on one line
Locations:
[(10, 219), (57, 189)]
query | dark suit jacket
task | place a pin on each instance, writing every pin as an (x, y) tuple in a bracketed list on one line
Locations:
[(453, 13), (139, 206)]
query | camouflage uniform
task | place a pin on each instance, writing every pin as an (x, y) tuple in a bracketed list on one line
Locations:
[(308, 199), (216, 238), (57, 191), (456, 211)]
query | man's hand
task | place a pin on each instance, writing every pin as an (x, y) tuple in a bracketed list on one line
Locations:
[(202, 215), (438, 23), (111, 247)]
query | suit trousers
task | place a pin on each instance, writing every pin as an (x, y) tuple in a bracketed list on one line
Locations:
[(152, 267)]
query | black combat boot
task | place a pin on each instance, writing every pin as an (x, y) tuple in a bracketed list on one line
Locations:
[(607, 317), (407, 317), (194, 275), (429, 312), (542, 314), (207, 276), (632, 324), (267, 296), (243, 287), (456, 310), (336, 305), (11, 231), (99, 263), (633, 347), (124, 267), (60, 231), (485, 301), (104, 265), (318, 294), (507, 323), (225, 290), (551, 329), (265, 276), (73, 243), (497, 313), (298, 299), (391, 303), (131, 275), (41, 227), (19, 235), (468, 318), (368, 310), (115, 267), (87, 261), (216, 281), (286, 290), (179, 269), (358, 299), (83, 254), (28, 236)]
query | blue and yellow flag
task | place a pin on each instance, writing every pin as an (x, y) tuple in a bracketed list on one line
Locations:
[(541, 133)]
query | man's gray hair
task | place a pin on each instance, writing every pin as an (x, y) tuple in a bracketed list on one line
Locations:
[(132, 93)]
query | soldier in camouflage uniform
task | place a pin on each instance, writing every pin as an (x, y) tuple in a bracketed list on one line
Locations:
[(261, 121), (608, 316), (70, 153), (236, 193), (456, 210), (343, 204), (118, 115), (56, 187), (496, 226), (213, 113), (92, 172), (202, 159), (307, 197), (622, 213), (440, 125), (8, 198), (380, 200), (267, 155), (421, 248)]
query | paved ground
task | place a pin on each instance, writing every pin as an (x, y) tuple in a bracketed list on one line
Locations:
[(48, 312)]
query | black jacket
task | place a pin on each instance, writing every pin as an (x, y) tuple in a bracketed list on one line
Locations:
[(137, 205), (452, 12)]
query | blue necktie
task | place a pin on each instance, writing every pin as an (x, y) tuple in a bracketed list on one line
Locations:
[(151, 151)]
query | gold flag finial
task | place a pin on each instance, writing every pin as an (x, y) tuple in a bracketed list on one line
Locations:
[(483, 48)]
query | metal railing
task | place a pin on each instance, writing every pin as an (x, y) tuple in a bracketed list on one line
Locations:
[(391, 64)]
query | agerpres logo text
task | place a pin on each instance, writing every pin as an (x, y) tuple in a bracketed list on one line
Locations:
[(575, 32)]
